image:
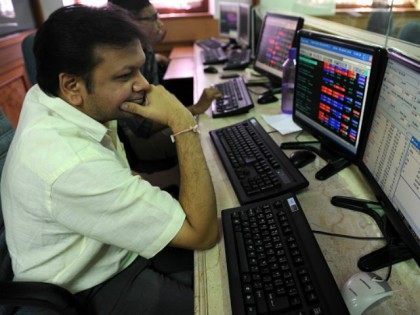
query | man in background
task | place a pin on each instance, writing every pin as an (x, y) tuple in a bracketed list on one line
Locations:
[(149, 140)]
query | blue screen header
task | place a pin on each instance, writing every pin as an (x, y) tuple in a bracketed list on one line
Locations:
[(337, 49)]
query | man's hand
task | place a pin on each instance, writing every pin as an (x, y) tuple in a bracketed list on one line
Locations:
[(161, 107), (162, 60), (208, 95)]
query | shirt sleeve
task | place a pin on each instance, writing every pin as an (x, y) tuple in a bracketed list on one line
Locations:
[(103, 201)]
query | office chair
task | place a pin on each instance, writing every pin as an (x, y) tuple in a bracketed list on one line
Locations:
[(29, 58), (410, 32), (378, 22), (45, 296)]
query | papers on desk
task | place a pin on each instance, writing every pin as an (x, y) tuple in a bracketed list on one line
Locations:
[(283, 123)]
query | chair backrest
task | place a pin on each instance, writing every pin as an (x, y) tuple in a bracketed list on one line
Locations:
[(6, 135), (29, 57), (378, 22), (410, 32)]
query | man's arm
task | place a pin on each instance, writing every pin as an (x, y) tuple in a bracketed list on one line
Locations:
[(197, 198)]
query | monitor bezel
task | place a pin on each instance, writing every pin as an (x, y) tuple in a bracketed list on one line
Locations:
[(234, 5), (375, 79), (241, 40), (271, 75), (391, 212), (256, 25)]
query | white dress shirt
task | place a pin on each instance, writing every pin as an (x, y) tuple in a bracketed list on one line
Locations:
[(74, 213)]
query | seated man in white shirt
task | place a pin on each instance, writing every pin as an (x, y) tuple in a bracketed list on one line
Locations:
[(75, 215)]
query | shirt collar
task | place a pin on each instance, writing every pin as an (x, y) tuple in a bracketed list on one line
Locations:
[(65, 110)]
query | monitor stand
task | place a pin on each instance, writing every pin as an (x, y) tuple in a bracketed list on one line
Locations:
[(394, 251), (335, 162)]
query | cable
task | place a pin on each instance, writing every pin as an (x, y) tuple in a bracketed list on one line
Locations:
[(362, 238), (388, 274), (298, 135)]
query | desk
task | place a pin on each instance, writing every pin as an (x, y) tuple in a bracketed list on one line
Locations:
[(211, 284), (178, 78)]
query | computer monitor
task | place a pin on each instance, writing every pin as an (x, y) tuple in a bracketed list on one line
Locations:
[(228, 19), (391, 160), (244, 29), (335, 92), (256, 23), (277, 36)]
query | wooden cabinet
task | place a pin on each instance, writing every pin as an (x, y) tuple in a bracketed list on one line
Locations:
[(13, 79)]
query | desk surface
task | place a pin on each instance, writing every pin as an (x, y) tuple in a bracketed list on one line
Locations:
[(211, 284)]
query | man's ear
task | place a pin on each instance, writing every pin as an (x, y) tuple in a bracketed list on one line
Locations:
[(71, 88)]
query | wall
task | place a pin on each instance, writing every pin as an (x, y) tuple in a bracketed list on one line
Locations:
[(13, 80)]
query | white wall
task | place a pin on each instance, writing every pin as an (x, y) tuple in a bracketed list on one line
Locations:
[(49, 6), (311, 7)]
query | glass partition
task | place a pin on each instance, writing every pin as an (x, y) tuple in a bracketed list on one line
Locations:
[(389, 23)]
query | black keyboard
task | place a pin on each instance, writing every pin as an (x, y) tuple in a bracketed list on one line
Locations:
[(211, 43), (235, 100), (213, 56), (257, 168), (238, 59), (274, 262)]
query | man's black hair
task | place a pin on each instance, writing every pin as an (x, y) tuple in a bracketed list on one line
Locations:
[(66, 41), (133, 6)]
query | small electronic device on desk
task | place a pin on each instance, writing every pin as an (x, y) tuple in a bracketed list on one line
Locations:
[(268, 96), (210, 69), (363, 291), (302, 158), (334, 100)]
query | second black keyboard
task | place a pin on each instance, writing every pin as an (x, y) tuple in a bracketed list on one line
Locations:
[(235, 100), (256, 166)]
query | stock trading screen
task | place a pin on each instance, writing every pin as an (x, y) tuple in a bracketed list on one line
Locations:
[(228, 21), (276, 41), (331, 88)]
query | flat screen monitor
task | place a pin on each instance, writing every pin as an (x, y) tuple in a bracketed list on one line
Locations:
[(228, 19), (391, 160), (256, 23), (277, 36), (336, 89), (244, 31)]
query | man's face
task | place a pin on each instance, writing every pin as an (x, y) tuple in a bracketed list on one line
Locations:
[(115, 80), (150, 25)]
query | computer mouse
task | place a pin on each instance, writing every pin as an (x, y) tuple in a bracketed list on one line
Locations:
[(301, 158), (363, 291), (210, 69), (266, 98)]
